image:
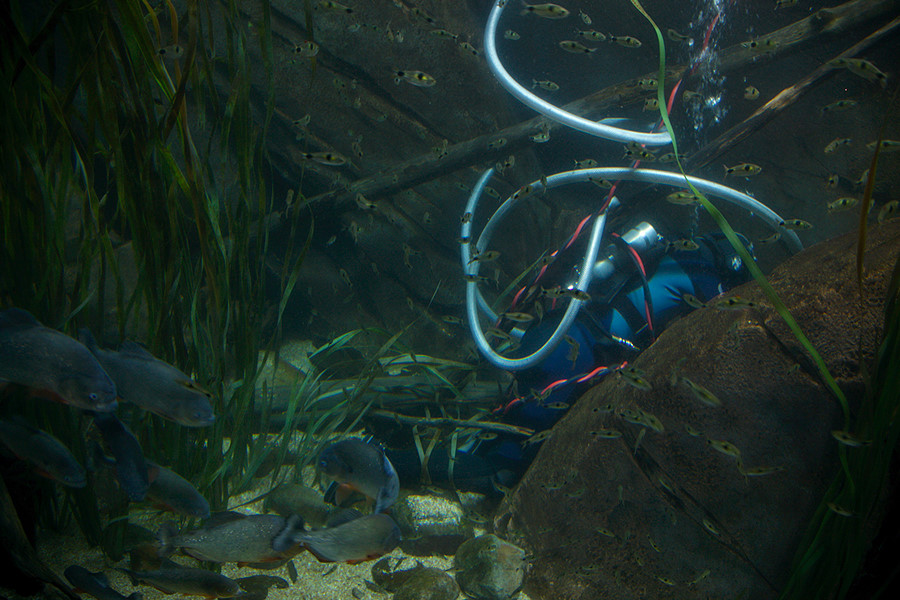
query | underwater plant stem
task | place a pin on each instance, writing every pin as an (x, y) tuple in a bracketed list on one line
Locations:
[(866, 203), (450, 422)]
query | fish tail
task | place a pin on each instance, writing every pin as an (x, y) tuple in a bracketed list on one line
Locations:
[(285, 538), (131, 575), (165, 536), (87, 338)]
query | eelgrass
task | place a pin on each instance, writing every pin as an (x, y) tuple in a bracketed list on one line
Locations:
[(107, 139)]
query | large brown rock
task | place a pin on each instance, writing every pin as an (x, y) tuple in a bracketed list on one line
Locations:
[(664, 513)]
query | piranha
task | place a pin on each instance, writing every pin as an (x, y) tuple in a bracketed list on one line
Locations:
[(53, 363), (173, 492), (185, 580), (289, 499), (356, 541), (228, 537), (52, 459), (131, 468), (153, 384), (363, 467), (95, 584)]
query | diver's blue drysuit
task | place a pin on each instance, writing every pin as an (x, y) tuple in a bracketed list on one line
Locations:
[(606, 333)]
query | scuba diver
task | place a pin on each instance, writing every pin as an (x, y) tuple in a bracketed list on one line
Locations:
[(641, 284), (627, 289)]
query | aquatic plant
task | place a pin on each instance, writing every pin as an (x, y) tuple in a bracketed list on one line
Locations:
[(127, 158)]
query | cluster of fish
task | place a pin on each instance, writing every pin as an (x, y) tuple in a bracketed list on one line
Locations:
[(58, 367), (267, 541)]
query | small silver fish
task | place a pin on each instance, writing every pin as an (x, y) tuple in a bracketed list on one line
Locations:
[(678, 37), (547, 11), (836, 143), (306, 49), (685, 198), (591, 34), (575, 47), (624, 40), (682, 245), (839, 105), (745, 169), (545, 84), (842, 204), (416, 78), (330, 6), (734, 303), (891, 208), (861, 68), (886, 145), (332, 159), (795, 224), (848, 439), (588, 163)]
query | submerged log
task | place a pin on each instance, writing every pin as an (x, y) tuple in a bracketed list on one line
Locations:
[(474, 151)]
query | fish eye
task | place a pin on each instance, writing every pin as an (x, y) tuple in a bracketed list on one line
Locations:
[(93, 397)]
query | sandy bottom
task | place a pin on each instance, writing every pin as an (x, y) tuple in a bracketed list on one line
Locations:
[(315, 580)]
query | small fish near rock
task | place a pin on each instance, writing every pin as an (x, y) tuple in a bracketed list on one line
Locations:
[(488, 568)]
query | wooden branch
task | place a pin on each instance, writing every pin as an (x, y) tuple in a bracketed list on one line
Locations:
[(447, 421), (827, 21), (781, 101)]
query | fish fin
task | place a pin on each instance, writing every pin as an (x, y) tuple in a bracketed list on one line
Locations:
[(47, 395), (152, 471), (136, 350), (285, 539), (87, 338), (98, 457), (292, 571), (344, 515), (12, 317), (24, 423), (165, 534), (220, 518), (131, 575), (319, 557), (342, 492), (192, 385), (331, 492), (389, 492)]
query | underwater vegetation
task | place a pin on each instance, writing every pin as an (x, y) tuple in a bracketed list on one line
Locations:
[(191, 187)]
